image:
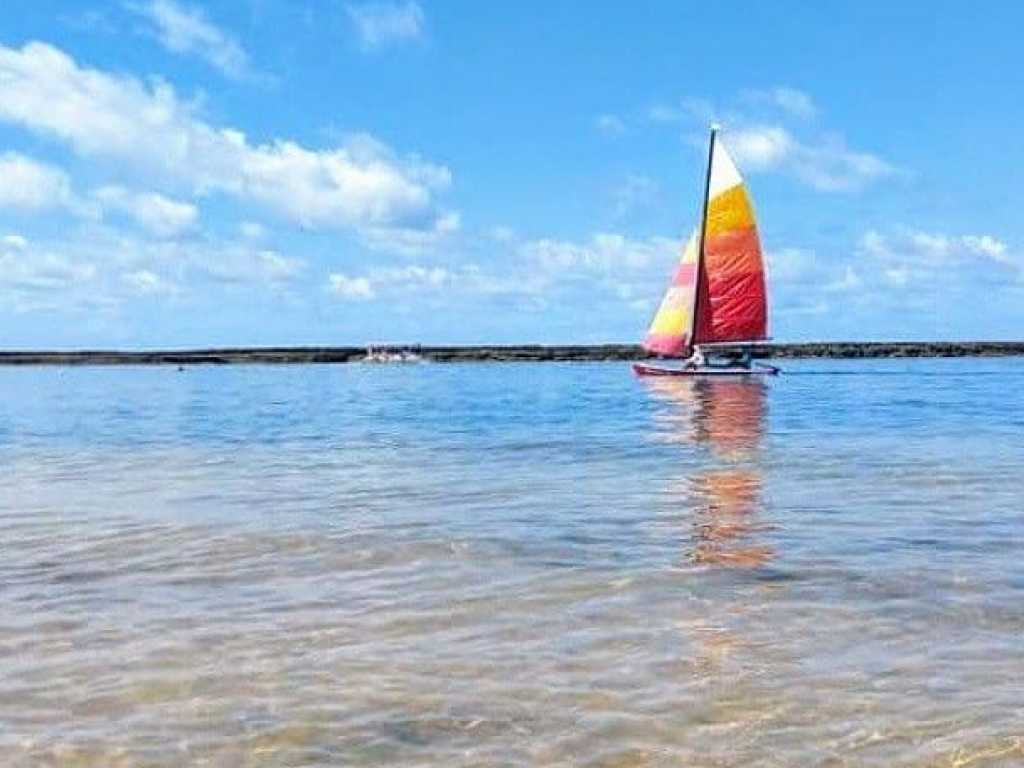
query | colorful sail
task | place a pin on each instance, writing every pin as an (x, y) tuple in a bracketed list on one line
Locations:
[(672, 327), (719, 296), (731, 301)]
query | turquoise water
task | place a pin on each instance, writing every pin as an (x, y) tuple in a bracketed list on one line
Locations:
[(512, 564)]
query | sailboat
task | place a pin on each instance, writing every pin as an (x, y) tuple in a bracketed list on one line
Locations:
[(717, 294)]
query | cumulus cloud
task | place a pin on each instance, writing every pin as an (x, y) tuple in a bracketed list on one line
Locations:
[(802, 269), (910, 249), (252, 230), (380, 24), (904, 268), (235, 263), (793, 265), (828, 164), (602, 252), (28, 185), (409, 241), (185, 29), (28, 273), (155, 213), (850, 281), (606, 263), (773, 140), (700, 110), (790, 100), (32, 186), (759, 149), (101, 266), (352, 288), (360, 184), (145, 282), (411, 277)]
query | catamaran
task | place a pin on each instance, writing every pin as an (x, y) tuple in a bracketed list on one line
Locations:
[(717, 294)]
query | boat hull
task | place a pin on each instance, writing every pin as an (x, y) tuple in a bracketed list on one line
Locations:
[(642, 369)]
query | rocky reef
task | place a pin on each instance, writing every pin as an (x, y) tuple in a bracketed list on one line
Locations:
[(488, 353)]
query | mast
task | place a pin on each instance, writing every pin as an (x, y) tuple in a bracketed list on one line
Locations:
[(703, 232)]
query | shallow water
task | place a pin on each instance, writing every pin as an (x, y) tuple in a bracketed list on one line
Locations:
[(512, 564)]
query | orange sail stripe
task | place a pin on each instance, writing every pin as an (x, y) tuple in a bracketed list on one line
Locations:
[(733, 252), (729, 211)]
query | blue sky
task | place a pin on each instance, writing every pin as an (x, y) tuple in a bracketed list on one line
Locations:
[(287, 172)]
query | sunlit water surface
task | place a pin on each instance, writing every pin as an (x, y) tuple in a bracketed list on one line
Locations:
[(512, 565)]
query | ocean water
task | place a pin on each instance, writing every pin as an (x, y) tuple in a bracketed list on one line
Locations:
[(512, 564)]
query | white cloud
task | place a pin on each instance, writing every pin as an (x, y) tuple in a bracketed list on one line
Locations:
[(790, 100), (802, 275), (850, 281), (700, 110), (357, 185), (933, 250), (186, 30), (985, 245), (610, 125), (103, 267), (828, 165), (379, 24), (145, 282), (758, 149), (157, 214), (29, 185), (234, 263), (413, 276), (896, 275), (32, 186), (26, 271), (252, 230), (345, 287), (792, 265), (417, 281), (409, 241), (606, 266), (603, 252), (930, 260), (823, 161)]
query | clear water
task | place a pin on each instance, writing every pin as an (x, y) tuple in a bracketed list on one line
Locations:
[(512, 565)]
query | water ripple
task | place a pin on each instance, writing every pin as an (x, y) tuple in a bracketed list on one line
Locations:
[(511, 565)]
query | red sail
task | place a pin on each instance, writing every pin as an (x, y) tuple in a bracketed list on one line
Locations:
[(731, 298)]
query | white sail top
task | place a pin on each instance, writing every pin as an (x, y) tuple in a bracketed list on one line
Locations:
[(724, 175)]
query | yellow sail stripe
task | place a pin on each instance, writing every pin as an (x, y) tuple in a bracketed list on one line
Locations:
[(729, 211), (671, 321)]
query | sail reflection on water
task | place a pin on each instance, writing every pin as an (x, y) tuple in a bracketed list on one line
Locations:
[(725, 416)]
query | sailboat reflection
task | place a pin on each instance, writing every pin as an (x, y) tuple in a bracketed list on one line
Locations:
[(727, 416)]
